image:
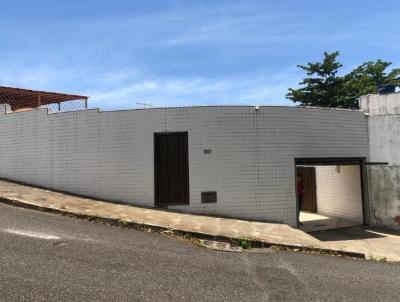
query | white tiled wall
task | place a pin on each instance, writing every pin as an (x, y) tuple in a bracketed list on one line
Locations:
[(110, 154), (339, 192)]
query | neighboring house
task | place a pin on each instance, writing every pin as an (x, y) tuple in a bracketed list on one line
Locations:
[(236, 161), (384, 145)]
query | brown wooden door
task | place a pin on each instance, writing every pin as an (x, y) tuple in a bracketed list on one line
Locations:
[(310, 192), (171, 169)]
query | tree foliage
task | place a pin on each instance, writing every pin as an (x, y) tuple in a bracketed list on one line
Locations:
[(323, 86)]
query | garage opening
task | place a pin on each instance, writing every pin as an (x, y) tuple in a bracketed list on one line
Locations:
[(329, 193)]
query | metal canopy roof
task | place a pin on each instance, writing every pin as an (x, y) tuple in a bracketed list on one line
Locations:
[(336, 161), (19, 98)]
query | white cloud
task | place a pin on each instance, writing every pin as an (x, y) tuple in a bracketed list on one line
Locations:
[(226, 30), (120, 89), (160, 92), (26, 77)]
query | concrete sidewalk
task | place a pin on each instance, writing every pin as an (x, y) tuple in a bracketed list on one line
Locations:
[(268, 233)]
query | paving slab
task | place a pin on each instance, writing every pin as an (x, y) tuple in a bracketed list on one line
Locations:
[(376, 243), (269, 233), (317, 222)]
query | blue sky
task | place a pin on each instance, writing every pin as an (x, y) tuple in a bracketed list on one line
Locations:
[(174, 53)]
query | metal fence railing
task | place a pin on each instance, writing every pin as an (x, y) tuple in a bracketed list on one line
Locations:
[(23, 99)]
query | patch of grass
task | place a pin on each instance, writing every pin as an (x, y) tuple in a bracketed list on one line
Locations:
[(378, 258), (182, 236), (244, 243), (90, 218), (124, 223)]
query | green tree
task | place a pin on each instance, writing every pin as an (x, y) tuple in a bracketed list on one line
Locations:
[(366, 79), (323, 86)]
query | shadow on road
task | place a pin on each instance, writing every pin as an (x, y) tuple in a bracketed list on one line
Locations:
[(353, 233)]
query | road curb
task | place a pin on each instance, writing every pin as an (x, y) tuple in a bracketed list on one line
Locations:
[(254, 243)]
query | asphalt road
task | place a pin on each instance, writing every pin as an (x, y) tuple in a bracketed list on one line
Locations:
[(46, 257)]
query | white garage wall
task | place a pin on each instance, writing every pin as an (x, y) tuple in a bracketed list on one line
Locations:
[(109, 155), (339, 192)]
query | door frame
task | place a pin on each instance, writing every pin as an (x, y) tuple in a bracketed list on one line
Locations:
[(307, 188)]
